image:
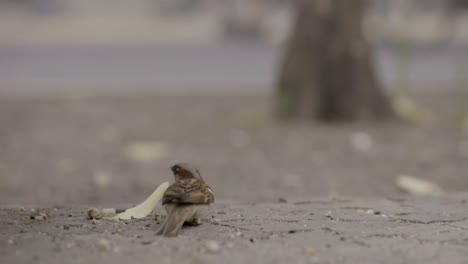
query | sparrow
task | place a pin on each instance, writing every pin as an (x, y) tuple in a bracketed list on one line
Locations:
[(186, 200)]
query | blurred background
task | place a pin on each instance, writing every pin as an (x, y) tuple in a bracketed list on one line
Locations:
[(99, 98)]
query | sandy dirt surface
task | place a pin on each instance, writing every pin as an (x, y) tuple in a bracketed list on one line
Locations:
[(64, 152), (73, 154), (338, 230)]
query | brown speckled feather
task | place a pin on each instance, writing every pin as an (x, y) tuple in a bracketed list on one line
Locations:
[(188, 191)]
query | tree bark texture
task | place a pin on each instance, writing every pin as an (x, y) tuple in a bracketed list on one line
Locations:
[(327, 71)]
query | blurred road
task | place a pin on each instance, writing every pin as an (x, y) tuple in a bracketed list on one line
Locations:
[(232, 68)]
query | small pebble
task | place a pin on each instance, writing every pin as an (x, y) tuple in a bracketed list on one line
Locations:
[(291, 231), (213, 246), (103, 244), (238, 233), (251, 240), (66, 227), (117, 232), (308, 250), (39, 217), (11, 242), (155, 215), (370, 211), (94, 213), (282, 200), (109, 212), (329, 215)]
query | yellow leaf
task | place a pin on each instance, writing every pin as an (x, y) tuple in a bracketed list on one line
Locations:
[(417, 186), (146, 207)]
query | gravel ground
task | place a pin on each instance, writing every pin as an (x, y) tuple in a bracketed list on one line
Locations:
[(72, 154), (395, 230), (75, 152)]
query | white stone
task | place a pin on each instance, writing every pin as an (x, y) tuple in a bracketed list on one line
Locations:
[(213, 246)]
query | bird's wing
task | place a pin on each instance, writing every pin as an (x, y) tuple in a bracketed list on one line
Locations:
[(188, 191)]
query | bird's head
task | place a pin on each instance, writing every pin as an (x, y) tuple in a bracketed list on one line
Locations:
[(185, 171)]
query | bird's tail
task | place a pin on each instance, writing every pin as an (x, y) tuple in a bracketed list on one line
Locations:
[(175, 219)]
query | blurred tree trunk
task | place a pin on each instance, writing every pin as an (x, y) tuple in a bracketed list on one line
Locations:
[(460, 4), (327, 71)]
